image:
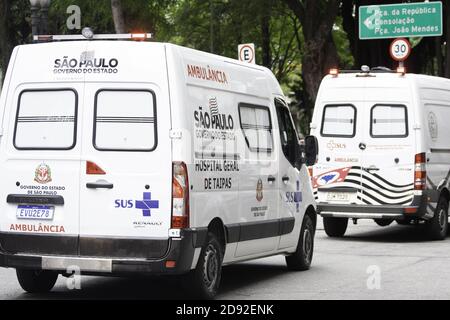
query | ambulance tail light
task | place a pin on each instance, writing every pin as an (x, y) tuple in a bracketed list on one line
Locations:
[(420, 172), (93, 169), (180, 196)]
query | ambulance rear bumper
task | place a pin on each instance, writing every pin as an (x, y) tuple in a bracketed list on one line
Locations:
[(416, 210), (179, 259)]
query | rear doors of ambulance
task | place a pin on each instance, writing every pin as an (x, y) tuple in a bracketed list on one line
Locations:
[(87, 164), (126, 179), (367, 143), (340, 125), (41, 168), (388, 144)]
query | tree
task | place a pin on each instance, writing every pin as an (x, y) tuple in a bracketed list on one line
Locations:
[(317, 18), (118, 17), (14, 29), (427, 55), (5, 43)]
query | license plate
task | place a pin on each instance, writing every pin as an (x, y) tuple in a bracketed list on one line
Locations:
[(35, 212), (338, 196)]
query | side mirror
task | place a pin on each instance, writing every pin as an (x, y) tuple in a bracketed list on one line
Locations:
[(311, 150)]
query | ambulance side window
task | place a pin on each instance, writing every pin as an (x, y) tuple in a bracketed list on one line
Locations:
[(125, 120), (289, 138), (46, 120), (256, 124), (339, 121), (389, 121)]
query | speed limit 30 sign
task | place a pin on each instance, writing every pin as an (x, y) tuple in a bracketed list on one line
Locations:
[(400, 49)]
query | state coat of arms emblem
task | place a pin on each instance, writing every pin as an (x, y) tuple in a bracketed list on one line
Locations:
[(43, 174)]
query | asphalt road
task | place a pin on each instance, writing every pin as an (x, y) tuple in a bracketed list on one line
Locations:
[(371, 262)]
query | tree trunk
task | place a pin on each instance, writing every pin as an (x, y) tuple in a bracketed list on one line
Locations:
[(439, 57), (118, 16), (212, 27), (265, 37), (320, 52)]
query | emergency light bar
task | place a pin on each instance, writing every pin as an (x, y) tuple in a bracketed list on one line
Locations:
[(366, 71), (88, 34)]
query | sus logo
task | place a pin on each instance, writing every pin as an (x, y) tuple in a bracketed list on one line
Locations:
[(43, 174)]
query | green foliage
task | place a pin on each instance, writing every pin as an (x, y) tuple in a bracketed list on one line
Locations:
[(140, 15), (95, 13), (218, 26), (343, 46)]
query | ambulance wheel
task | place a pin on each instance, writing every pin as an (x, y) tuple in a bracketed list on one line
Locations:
[(33, 281), (301, 259), (204, 281), (335, 227), (437, 227)]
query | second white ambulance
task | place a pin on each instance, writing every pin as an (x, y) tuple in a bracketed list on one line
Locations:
[(385, 151)]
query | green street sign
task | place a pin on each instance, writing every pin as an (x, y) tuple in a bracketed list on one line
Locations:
[(419, 19)]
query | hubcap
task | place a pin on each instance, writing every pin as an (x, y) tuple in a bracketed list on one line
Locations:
[(211, 267)]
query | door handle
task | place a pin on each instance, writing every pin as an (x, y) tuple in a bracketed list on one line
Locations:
[(40, 200), (100, 185), (271, 179), (286, 179)]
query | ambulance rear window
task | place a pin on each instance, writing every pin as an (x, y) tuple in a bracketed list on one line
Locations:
[(125, 120), (389, 121), (339, 121), (46, 120)]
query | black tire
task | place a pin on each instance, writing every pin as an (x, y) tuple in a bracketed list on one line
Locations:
[(302, 258), (204, 281), (33, 281), (437, 227), (335, 227), (383, 222)]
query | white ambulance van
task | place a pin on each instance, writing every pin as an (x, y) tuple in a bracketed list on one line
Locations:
[(136, 157), (385, 150)]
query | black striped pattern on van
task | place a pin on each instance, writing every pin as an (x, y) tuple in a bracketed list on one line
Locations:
[(372, 189)]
